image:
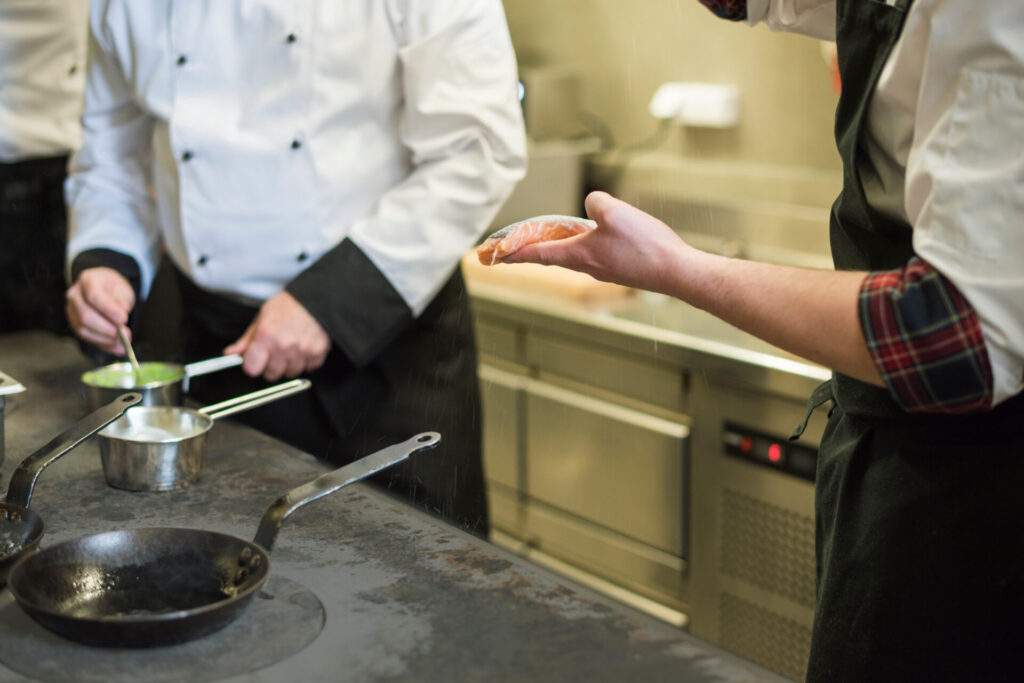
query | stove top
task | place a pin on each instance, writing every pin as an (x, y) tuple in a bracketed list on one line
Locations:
[(284, 618)]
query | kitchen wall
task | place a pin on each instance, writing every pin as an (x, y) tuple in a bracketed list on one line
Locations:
[(624, 50), (782, 152)]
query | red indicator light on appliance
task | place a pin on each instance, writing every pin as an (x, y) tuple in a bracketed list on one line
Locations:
[(746, 444), (775, 452)]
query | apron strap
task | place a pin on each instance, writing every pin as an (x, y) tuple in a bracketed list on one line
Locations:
[(818, 396)]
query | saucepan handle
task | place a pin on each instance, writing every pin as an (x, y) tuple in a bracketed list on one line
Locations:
[(328, 483), (204, 367), (254, 399), (23, 481)]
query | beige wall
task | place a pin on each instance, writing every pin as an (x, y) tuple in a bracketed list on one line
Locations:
[(624, 50)]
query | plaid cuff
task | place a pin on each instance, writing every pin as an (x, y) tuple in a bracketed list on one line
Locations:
[(733, 10), (926, 340)]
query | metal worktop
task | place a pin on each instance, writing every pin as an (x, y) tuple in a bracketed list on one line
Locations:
[(656, 325), (406, 597)]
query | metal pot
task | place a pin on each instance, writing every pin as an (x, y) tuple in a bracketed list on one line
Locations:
[(146, 587), (161, 384), (8, 386), (160, 448), (20, 528)]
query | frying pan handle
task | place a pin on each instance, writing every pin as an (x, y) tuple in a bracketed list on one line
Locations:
[(23, 481), (204, 367), (254, 399), (328, 483)]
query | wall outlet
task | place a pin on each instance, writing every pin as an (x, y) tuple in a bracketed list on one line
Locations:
[(707, 105)]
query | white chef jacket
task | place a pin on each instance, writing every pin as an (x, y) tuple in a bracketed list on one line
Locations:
[(946, 134), (271, 130), (42, 73)]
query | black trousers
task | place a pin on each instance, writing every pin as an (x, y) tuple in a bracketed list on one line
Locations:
[(424, 381), (33, 237)]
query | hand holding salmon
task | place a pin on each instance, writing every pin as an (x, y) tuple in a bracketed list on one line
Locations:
[(514, 237), (622, 244)]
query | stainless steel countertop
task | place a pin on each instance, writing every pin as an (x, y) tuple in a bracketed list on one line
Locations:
[(407, 598), (656, 325)]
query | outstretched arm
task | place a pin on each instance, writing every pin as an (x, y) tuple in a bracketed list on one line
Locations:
[(811, 313)]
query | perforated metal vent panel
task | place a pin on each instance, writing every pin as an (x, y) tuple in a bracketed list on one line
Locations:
[(763, 636), (768, 546)]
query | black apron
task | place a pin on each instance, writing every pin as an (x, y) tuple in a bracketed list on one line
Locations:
[(33, 235), (424, 381), (919, 519)]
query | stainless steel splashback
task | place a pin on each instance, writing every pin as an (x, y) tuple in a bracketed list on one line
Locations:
[(753, 211)]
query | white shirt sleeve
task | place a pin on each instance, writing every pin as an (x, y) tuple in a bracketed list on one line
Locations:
[(107, 188), (965, 171), (462, 124), (814, 18)]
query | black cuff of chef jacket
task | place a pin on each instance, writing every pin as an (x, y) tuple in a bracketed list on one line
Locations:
[(108, 258), (353, 301)]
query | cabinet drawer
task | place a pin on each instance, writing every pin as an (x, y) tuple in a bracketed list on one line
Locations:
[(617, 373), (502, 425), (497, 341), (613, 466)]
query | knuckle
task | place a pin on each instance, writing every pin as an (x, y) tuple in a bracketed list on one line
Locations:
[(264, 338)]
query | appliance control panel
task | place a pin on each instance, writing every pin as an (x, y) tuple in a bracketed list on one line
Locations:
[(771, 451)]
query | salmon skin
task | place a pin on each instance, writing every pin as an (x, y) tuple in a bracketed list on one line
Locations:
[(512, 238)]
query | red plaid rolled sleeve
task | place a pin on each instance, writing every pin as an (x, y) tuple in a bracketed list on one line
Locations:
[(734, 10), (926, 340)]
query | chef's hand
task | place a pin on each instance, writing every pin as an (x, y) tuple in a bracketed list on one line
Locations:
[(628, 247), (283, 341), (97, 304)]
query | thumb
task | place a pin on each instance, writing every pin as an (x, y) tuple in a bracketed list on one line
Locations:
[(598, 204), (242, 343)]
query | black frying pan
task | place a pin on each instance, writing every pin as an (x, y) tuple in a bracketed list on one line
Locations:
[(145, 587), (20, 528)]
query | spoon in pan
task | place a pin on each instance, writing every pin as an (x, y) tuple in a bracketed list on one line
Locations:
[(130, 351)]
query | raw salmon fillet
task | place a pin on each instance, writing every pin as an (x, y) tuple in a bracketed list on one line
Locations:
[(512, 238)]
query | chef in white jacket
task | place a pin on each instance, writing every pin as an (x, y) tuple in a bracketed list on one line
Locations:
[(314, 170), (42, 73)]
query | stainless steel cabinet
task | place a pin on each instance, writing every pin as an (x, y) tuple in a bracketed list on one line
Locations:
[(579, 465), (605, 454), (617, 467)]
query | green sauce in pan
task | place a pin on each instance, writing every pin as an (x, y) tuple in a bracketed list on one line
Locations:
[(120, 375)]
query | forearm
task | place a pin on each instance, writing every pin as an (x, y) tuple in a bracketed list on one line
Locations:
[(909, 329), (810, 313)]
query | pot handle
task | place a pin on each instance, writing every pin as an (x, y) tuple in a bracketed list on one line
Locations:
[(204, 367), (23, 481), (328, 483), (9, 385), (254, 399)]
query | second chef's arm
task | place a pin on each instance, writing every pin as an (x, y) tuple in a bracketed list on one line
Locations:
[(112, 220), (462, 125)]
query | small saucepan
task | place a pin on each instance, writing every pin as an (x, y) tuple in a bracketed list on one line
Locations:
[(159, 586), (161, 384), (160, 448), (20, 528)]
